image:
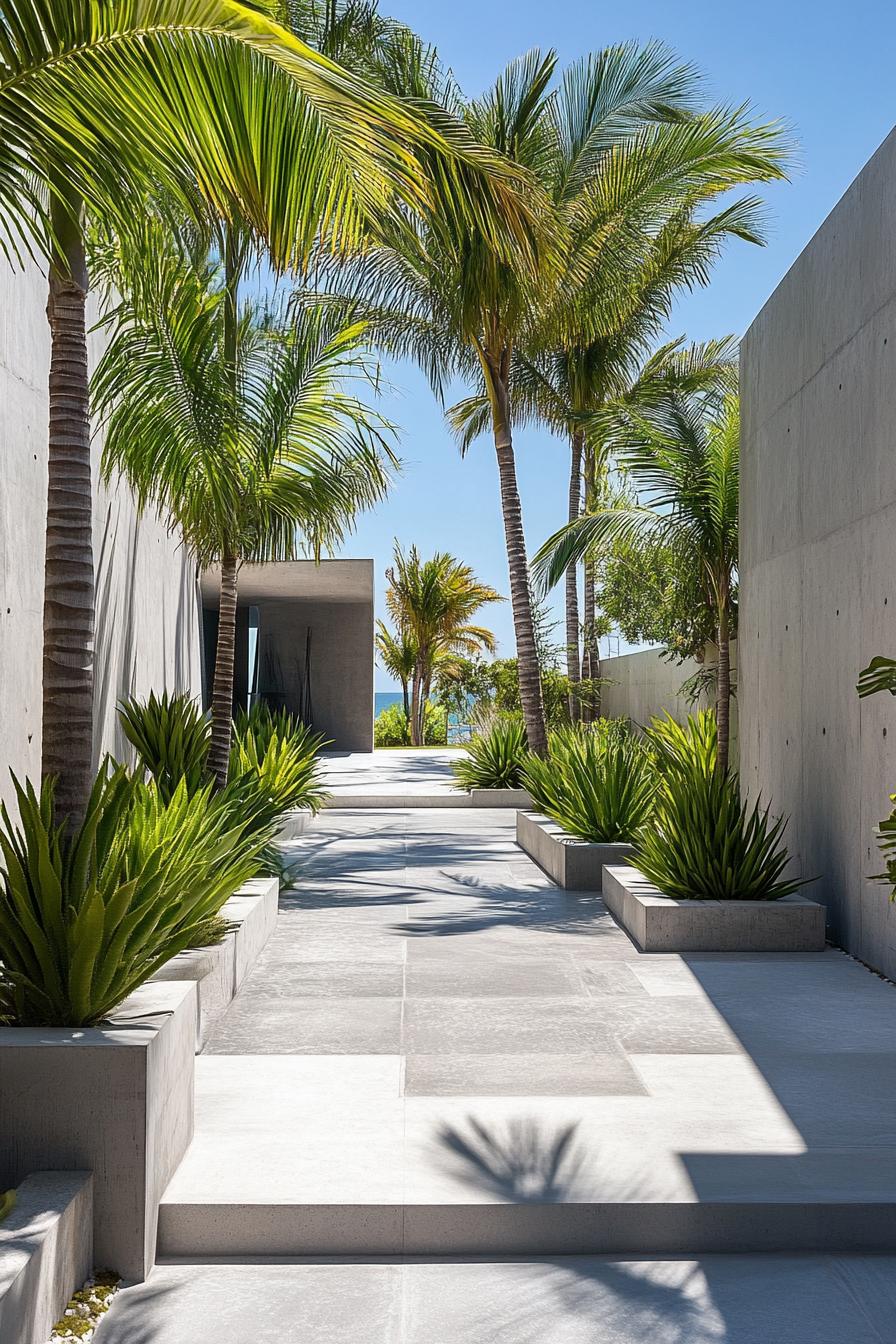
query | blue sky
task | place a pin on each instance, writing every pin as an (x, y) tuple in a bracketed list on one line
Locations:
[(826, 69)]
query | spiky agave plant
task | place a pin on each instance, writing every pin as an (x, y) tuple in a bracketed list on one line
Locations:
[(171, 737), (87, 916), (495, 759), (598, 785), (705, 842), (263, 724)]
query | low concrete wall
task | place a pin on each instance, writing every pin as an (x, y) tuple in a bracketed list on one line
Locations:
[(147, 625), (658, 923), (645, 684), (46, 1253), (115, 1100), (576, 865), (818, 555)]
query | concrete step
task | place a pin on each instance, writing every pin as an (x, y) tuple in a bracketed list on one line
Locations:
[(717, 1299)]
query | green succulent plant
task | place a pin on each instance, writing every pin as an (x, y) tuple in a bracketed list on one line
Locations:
[(171, 737), (7, 1203), (705, 842), (87, 917), (494, 759), (599, 785)]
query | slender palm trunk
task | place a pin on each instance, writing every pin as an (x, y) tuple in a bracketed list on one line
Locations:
[(417, 707), (222, 690), (520, 595), (69, 585), (405, 695), (723, 687), (573, 659)]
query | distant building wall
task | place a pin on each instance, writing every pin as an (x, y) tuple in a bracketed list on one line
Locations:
[(641, 685), (147, 603), (818, 554)]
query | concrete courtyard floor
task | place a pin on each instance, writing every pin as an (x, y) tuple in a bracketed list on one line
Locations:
[(393, 775), (443, 1069)]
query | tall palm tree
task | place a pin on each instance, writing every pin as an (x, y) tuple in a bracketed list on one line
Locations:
[(432, 603), (101, 100), (246, 433), (683, 455), (614, 154), (397, 653)]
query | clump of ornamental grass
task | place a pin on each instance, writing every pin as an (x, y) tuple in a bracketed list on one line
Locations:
[(86, 917), (598, 783), (494, 759), (704, 841)]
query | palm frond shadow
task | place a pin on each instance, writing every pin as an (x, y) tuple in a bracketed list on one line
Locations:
[(523, 1164)]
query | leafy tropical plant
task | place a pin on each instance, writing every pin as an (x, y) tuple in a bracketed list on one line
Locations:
[(391, 728), (879, 675), (704, 842), (264, 724), (598, 785), (397, 655), (171, 737), (432, 603), (7, 1203), (279, 776), (496, 759), (87, 916), (226, 112), (684, 455)]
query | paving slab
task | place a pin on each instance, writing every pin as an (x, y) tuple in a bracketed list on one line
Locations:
[(573, 1300), (440, 1051)]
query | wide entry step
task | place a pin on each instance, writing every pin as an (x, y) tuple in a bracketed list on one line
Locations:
[(712, 1300)]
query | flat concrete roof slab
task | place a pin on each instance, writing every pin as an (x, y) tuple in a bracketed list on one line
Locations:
[(291, 580)]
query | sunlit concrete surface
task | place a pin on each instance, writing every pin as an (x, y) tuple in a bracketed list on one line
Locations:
[(715, 1300), (441, 1052), (390, 775)]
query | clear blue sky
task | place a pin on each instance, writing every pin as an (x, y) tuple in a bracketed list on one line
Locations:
[(826, 68)]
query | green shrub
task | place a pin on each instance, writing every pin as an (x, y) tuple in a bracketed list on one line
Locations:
[(171, 737), (495, 759), (281, 777), (85, 919), (264, 724), (705, 843), (598, 783), (391, 728)]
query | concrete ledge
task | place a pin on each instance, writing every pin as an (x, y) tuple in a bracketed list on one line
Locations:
[(46, 1253), (353, 801), (574, 864), (294, 824), (659, 924), (499, 798), (116, 1100), (219, 971)]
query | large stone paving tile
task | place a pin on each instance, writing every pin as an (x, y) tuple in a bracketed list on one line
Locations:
[(587, 1075), (330, 980), (484, 978), (522, 1026), (262, 1022)]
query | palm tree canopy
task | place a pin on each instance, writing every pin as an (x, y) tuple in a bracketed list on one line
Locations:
[(432, 602), (397, 652), (102, 99), (239, 458), (683, 456)]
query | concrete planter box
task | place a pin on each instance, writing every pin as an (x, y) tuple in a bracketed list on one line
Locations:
[(659, 924), (294, 824), (219, 971), (499, 798), (574, 864), (116, 1100), (46, 1253)]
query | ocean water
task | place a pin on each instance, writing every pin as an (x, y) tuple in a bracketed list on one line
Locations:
[(383, 699)]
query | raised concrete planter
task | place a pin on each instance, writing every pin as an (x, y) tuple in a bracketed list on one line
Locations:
[(219, 971), (294, 824), (116, 1100), (658, 924), (46, 1253), (574, 864)]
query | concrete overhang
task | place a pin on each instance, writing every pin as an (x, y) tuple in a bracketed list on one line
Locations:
[(296, 580)]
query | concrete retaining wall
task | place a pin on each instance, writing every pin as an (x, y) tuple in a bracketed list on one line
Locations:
[(46, 1253), (818, 554), (645, 684), (147, 602)]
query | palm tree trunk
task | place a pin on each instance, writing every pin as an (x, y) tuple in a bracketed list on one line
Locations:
[(573, 659), (69, 584), (520, 595), (416, 708), (222, 690), (406, 698), (723, 688)]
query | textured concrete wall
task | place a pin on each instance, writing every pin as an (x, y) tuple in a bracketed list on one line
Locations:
[(341, 664), (818, 553), (644, 684), (147, 605)]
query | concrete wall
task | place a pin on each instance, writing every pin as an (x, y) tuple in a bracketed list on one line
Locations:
[(147, 604), (341, 663), (818, 554), (646, 684)]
